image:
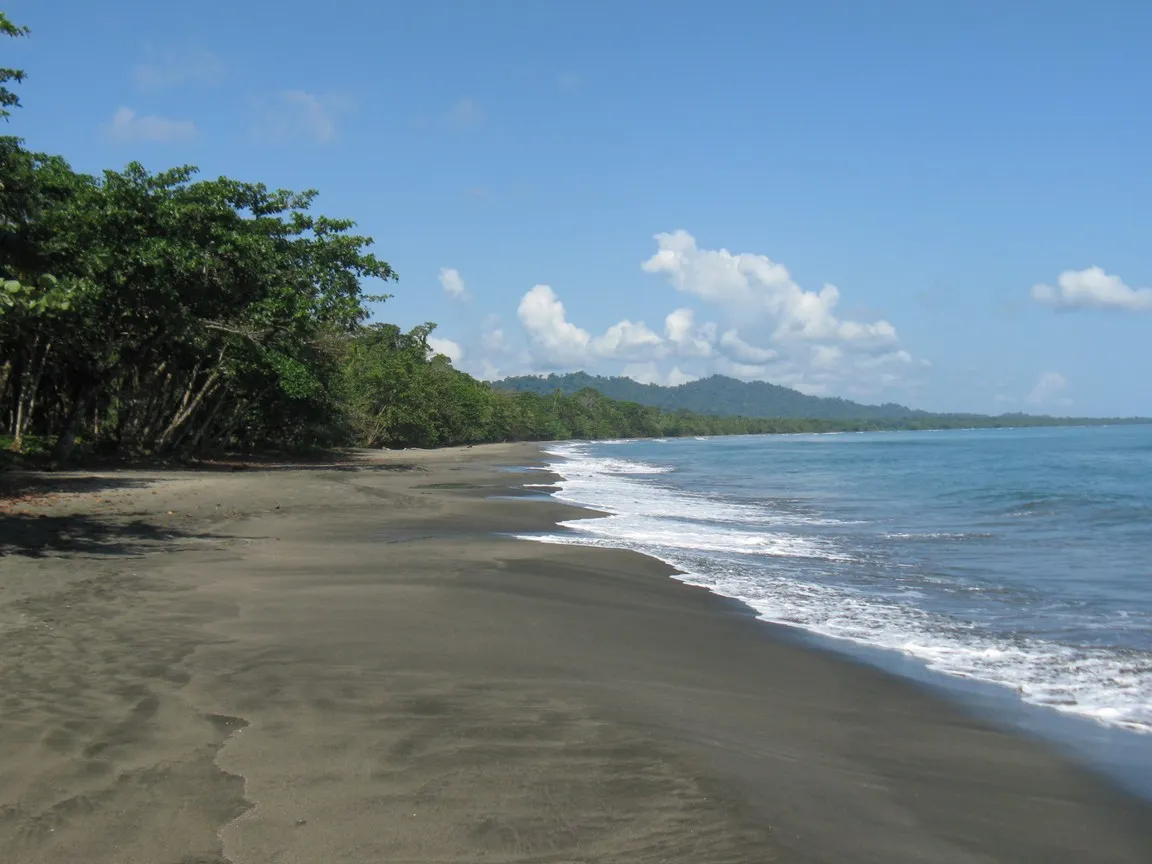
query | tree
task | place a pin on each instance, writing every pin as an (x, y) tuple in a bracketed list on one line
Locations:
[(8, 99), (184, 314)]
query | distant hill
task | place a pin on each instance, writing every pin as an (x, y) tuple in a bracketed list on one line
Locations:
[(717, 395), (720, 396)]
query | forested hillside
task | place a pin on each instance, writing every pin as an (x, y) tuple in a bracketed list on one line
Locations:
[(728, 397), (715, 395)]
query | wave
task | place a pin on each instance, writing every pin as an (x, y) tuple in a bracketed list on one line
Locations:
[(626, 488), (941, 536), (771, 560)]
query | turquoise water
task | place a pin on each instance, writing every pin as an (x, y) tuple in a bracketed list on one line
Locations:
[(1022, 558)]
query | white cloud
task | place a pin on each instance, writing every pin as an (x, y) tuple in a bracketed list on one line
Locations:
[(736, 369), (127, 125), (737, 349), (452, 283), (675, 377), (176, 67), (493, 336), (447, 347), (628, 341), (649, 373), (687, 340), (645, 373), (485, 370), (299, 114), (753, 287), (1048, 387), (826, 357), (555, 341), (1092, 288), (773, 330), (494, 355), (875, 361)]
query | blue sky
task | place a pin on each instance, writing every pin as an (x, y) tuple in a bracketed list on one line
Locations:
[(667, 190)]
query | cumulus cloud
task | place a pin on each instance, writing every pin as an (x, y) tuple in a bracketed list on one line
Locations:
[(166, 68), (447, 347), (1048, 387), (452, 283), (649, 373), (645, 373), (299, 115), (491, 354), (1092, 288), (825, 357), (127, 125), (723, 365), (555, 341), (493, 335), (686, 339), (737, 349), (676, 377), (628, 341), (486, 370), (772, 330), (756, 287)]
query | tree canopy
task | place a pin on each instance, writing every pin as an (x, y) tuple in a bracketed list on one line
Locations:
[(8, 99)]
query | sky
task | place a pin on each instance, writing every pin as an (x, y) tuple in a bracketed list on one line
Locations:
[(947, 205)]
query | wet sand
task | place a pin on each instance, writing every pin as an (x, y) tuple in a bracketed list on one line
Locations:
[(353, 664)]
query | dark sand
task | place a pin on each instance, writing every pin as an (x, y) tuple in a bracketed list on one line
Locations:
[(350, 665)]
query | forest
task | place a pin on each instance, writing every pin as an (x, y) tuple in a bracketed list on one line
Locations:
[(729, 397), (146, 313)]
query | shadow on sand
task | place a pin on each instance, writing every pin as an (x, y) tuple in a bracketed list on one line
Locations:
[(41, 536)]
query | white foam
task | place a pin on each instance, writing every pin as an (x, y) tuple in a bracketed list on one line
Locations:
[(716, 544), (619, 487)]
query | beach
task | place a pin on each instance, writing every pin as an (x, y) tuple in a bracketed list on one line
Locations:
[(357, 662)]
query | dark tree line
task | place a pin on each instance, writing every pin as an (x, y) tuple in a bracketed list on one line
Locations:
[(729, 397)]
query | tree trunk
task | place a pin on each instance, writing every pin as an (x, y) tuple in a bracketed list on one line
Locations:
[(82, 398), (150, 417), (28, 400), (190, 440), (182, 416), (5, 375), (22, 396)]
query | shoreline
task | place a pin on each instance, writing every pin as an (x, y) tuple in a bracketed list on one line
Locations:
[(1120, 753), (352, 663)]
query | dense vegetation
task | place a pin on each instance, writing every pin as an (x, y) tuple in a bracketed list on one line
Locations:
[(145, 313), (715, 395), (728, 397)]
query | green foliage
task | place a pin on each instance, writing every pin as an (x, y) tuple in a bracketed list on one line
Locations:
[(183, 314), (715, 395), (728, 397), (8, 99)]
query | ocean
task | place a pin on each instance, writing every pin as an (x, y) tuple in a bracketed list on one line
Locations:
[(1019, 557)]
